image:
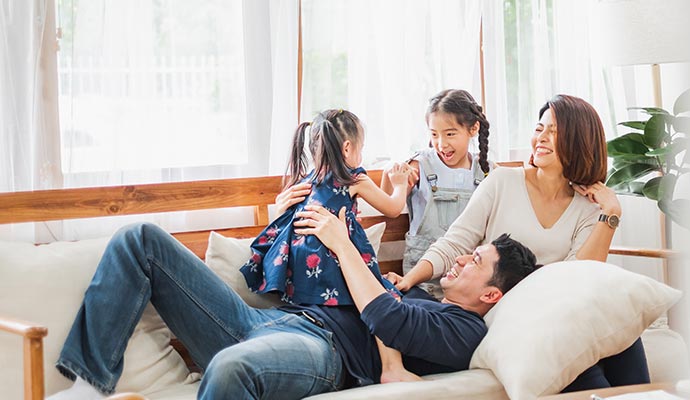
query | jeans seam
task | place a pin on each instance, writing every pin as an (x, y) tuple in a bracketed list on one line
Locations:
[(152, 260), (124, 339)]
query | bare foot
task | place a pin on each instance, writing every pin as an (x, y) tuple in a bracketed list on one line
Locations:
[(399, 375)]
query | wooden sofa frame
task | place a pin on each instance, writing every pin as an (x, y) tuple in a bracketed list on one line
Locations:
[(257, 193)]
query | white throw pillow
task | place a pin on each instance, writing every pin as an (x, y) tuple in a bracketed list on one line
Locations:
[(562, 319), (45, 285), (226, 255)]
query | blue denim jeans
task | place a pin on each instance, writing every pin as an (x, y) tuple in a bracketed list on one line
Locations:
[(246, 353)]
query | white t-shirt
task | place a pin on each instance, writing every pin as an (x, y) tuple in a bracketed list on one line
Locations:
[(501, 205)]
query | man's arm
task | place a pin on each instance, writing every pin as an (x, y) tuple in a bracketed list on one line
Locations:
[(446, 337), (332, 231), (439, 333)]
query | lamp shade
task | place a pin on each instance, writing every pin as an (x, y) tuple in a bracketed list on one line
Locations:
[(634, 32)]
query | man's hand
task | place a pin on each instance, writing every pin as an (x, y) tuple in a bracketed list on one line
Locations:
[(291, 196), (331, 230)]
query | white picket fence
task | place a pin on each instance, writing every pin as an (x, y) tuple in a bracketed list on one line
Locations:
[(178, 77)]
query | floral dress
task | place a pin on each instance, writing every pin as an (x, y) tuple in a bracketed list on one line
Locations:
[(300, 267)]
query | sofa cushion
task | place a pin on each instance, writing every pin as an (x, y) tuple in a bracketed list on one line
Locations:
[(564, 318), (667, 355), (226, 255), (45, 285)]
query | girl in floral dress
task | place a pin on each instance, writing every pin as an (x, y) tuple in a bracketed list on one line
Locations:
[(300, 267)]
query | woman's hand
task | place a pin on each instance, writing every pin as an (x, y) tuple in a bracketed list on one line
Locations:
[(399, 281), (601, 194), (291, 196), (331, 230)]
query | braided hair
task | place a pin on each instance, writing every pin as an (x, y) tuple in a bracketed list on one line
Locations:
[(467, 112), (329, 130)]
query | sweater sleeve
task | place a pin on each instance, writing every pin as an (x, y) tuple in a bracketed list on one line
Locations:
[(588, 217), (469, 229), (438, 333)]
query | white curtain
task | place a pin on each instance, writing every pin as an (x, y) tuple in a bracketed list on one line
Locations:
[(383, 60), (535, 49), (29, 135)]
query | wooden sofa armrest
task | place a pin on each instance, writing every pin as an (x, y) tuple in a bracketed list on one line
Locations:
[(33, 354), (33, 359)]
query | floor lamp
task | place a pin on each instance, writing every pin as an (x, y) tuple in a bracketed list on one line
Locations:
[(644, 32)]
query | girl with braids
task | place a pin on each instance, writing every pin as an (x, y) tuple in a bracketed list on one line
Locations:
[(444, 176), (300, 267)]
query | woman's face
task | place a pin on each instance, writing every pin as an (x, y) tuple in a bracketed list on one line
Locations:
[(544, 153)]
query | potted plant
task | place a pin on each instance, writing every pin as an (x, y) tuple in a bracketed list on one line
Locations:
[(649, 161)]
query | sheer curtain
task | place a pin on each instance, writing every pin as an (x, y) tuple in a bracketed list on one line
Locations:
[(384, 59), (540, 48), (150, 91), (29, 135)]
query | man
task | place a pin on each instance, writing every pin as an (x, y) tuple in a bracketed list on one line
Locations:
[(291, 352)]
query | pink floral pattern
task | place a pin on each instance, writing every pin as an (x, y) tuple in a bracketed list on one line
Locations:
[(300, 267)]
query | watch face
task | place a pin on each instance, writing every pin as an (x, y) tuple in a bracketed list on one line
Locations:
[(614, 220)]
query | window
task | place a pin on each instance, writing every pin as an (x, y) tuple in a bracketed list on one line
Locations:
[(151, 84), (383, 60)]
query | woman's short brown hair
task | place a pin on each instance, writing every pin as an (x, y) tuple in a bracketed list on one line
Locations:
[(581, 141)]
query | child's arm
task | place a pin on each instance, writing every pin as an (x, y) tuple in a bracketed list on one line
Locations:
[(390, 205), (413, 177), (392, 368)]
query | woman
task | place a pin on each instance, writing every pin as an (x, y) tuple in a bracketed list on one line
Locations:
[(558, 207)]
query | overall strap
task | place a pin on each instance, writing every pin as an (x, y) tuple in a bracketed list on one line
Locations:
[(479, 175), (429, 173)]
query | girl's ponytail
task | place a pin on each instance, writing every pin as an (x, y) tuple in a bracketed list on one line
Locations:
[(328, 153), (297, 164)]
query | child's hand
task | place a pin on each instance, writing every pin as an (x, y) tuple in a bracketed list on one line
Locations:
[(398, 174)]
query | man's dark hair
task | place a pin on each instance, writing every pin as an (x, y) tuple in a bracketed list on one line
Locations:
[(515, 262)]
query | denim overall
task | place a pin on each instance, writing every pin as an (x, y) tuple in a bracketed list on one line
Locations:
[(444, 205)]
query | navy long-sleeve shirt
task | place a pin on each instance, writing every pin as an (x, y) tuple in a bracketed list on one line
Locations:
[(433, 337)]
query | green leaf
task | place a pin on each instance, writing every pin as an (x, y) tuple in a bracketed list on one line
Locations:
[(628, 173), (659, 187), (651, 188), (677, 210), (631, 143), (682, 103), (650, 110), (682, 124), (655, 131), (634, 124)]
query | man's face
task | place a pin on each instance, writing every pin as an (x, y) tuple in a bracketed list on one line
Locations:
[(466, 281)]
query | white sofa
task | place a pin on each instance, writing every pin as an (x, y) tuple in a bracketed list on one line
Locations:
[(57, 275)]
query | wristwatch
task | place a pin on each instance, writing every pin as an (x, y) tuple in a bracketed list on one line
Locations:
[(612, 220)]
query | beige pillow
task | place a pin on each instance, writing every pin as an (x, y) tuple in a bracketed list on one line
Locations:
[(562, 319), (225, 256), (45, 285)]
